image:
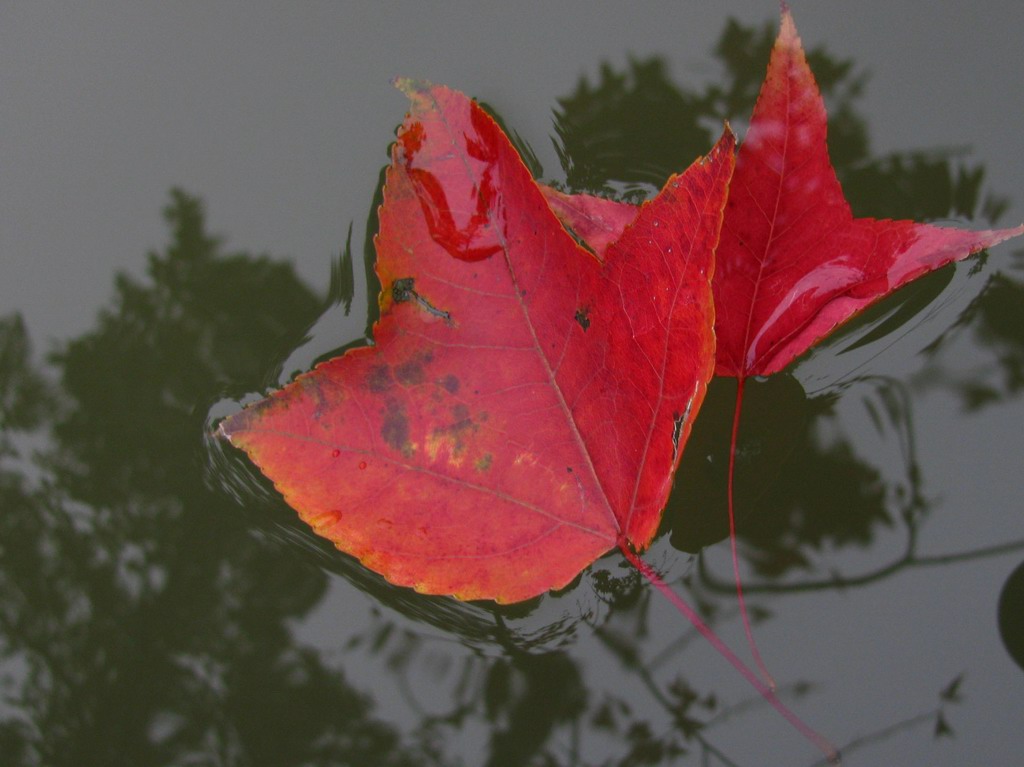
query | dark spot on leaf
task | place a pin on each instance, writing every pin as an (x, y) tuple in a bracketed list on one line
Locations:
[(379, 379), (457, 431), (312, 386), (402, 289), (569, 469), (450, 383), (395, 429), (483, 463), (410, 373), (583, 318)]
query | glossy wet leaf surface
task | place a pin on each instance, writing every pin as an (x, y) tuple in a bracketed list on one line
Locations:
[(793, 262)]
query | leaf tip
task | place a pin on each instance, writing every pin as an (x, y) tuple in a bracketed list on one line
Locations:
[(412, 87), (728, 138), (991, 237), (406, 85), (788, 36)]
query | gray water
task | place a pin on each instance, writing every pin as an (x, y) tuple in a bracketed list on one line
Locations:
[(159, 605)]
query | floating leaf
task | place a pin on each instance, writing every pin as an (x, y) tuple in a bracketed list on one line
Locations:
[(524, 407), (793, 262)]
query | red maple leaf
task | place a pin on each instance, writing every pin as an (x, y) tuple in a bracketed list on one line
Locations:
[(793, 262), (525, 405)]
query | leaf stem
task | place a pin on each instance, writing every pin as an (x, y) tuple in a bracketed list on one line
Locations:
[(812, 735), (766, 675)]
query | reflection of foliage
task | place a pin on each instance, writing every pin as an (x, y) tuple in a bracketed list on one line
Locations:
[(919, 185), (888, 406), (24, 394), (530, 695), (634, 128), (151, 623), (995, 322), (999, 314), (785, 480), (201, 325)]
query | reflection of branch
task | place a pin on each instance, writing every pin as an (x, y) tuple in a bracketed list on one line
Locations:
[(676, 645), (886, 732), (964, 556), (895, 399), (908, 560), (629, 657), (627, 653)]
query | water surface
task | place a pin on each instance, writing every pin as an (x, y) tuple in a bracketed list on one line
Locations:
[(160, 605)]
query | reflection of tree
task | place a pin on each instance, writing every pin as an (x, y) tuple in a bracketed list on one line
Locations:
[(24, 397), (150, 622)]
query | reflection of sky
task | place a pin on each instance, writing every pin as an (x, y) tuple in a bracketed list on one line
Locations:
[(282, 125)]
